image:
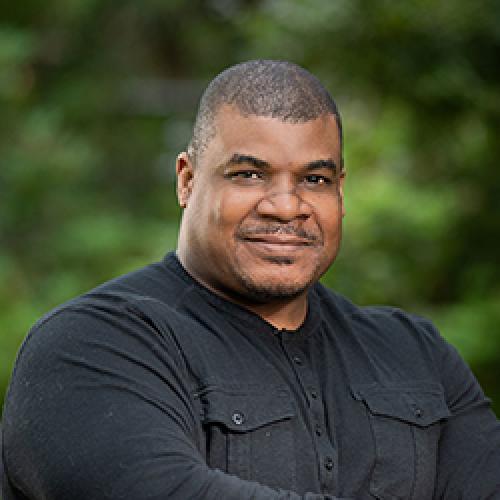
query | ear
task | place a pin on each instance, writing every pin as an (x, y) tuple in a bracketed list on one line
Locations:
[(185, 178), (341, 191)]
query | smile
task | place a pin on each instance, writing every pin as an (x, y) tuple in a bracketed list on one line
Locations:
[(279, 240), (278, 245)]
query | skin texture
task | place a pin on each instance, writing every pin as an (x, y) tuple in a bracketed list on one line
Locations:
[(263, 211)]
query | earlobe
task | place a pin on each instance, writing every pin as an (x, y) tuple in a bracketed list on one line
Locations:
[(185, 178)]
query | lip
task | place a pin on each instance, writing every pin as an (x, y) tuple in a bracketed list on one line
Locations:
[(279, 240)]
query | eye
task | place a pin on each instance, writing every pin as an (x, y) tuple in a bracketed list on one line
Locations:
[(245, 175), (318, 180)]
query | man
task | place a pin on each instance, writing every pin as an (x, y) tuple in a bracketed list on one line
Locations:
[(227, 371)]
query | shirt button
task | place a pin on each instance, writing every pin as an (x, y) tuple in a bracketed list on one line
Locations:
[(328, 463), (314, 394), (419, 412), (318, 431), (297, 360), (238, 418)]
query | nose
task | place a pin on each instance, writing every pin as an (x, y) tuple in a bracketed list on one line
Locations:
[(284, 206)]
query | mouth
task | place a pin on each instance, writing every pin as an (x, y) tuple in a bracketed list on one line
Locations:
[(278, 248), (279, 240)]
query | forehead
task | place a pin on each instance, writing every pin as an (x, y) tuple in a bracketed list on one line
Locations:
[(272, 139)]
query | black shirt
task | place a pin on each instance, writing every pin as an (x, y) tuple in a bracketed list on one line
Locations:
[(152, 387)]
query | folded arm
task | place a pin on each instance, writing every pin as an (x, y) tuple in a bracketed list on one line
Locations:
[(99, 407)]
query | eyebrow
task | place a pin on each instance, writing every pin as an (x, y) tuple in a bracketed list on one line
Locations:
[(317, 164), (243, 159)]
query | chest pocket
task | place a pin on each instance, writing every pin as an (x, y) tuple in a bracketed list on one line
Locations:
[(249, 433), (405, 423)]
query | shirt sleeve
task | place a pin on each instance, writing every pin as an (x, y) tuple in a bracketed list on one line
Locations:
[(99, 408), (469, 448)]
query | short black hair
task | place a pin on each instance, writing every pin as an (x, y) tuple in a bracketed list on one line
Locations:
[(278, 89)]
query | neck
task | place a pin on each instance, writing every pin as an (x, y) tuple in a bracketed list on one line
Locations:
[(288, 315), (283, 314)]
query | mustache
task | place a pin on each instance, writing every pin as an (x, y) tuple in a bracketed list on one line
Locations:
[(256, 231)]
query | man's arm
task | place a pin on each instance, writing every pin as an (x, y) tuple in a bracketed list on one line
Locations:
[(469, 448), (99, 408)]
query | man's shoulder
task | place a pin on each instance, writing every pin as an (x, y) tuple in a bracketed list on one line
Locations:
[(157, 286), (163, 281), (140, 306), (380, 320), (397, 346)]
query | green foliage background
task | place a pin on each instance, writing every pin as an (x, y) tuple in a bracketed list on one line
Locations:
[(97, 97)]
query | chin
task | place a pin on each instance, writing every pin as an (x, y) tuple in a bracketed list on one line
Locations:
[(277, 277), (269, 288), (262, 293)]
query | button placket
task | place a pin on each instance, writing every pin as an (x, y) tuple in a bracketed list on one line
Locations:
[(323, 447)]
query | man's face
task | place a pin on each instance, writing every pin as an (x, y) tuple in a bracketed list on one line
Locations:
[(263, 206)]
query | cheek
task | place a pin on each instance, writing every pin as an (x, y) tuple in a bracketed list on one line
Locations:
[(329, 218), (231, 208)]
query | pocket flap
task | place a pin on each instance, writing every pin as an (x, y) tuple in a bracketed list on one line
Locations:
[(419, 404), (245, 410)]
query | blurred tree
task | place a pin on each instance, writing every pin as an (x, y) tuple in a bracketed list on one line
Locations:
[(98, 97)]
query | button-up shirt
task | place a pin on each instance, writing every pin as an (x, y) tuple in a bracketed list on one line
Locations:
[(153, 387)]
